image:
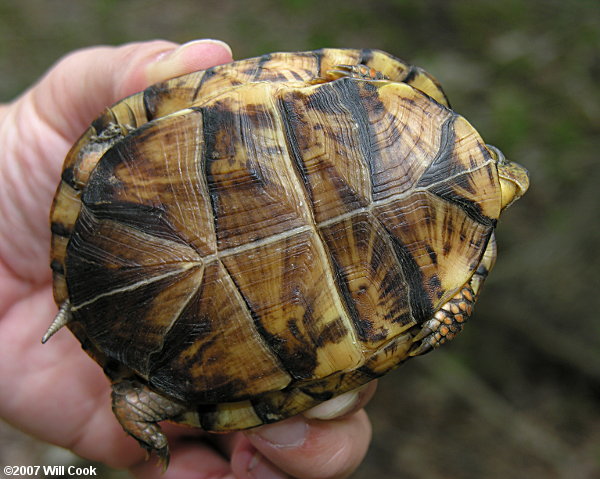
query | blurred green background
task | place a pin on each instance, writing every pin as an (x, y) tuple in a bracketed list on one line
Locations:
[(517, 394)]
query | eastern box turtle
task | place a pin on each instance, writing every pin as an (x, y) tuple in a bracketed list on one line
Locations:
[(236, 245)]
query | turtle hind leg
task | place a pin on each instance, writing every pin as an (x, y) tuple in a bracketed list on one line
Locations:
[(139, 409), (448, 321)]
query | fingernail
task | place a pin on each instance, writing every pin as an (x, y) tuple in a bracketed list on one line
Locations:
[(260, 468), (172, 54), (184, 59), (288, 433), (335, 407)]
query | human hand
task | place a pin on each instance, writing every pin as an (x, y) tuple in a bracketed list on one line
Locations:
[(55, 392)]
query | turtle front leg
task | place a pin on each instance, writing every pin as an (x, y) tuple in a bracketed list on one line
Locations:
[(139, 409), (358, 72), (448, 321)]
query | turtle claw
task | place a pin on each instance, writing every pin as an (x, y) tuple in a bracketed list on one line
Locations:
[(163, 456), (447, 322)]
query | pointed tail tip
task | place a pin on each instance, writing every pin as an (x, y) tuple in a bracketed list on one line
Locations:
[(62, 318)]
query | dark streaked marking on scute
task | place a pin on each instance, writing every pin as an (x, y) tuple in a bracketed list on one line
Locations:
[(420, 304), (299, 361), (99, 183), (318, 395), (288, 286), (208, 415), (357, 97), (103, 121), (368, 372), (464, 182), (319, 55), (333, 333), (443, 165), (366, 54), (222, 387), (410, 75), (485, 153), (152, 97), (187, 329), (207, 75), (60, 229), (263, 59), (278, 77), (212, 353), (369, 277), (118, 323), (406, 125), (472, 208), (68, 176), (446, 174), (296, 75), (292, 325), (57, 267), (215, 121), (328, 136), (436, 285), (267, 411), (432, 254), (291, 124), (103, 188), (147, 219), (345, 294)]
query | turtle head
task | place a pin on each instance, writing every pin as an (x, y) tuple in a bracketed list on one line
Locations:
[(514, 179)]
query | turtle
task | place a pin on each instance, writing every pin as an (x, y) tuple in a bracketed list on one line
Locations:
[(236, 245)]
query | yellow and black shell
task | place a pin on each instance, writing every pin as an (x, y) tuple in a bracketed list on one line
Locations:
[(249, 240)]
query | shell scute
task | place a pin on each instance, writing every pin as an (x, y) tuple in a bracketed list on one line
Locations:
[(248, 171), (371, 277), (192, 365), (290, 289), (329, 142), (439, 240)]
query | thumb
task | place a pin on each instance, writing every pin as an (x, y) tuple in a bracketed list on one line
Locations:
[(84, 82)]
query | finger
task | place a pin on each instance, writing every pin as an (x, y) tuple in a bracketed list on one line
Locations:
[(344, 404), (76, 90), (189, 57), (338, 407), (191, 458), (305, 448)]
